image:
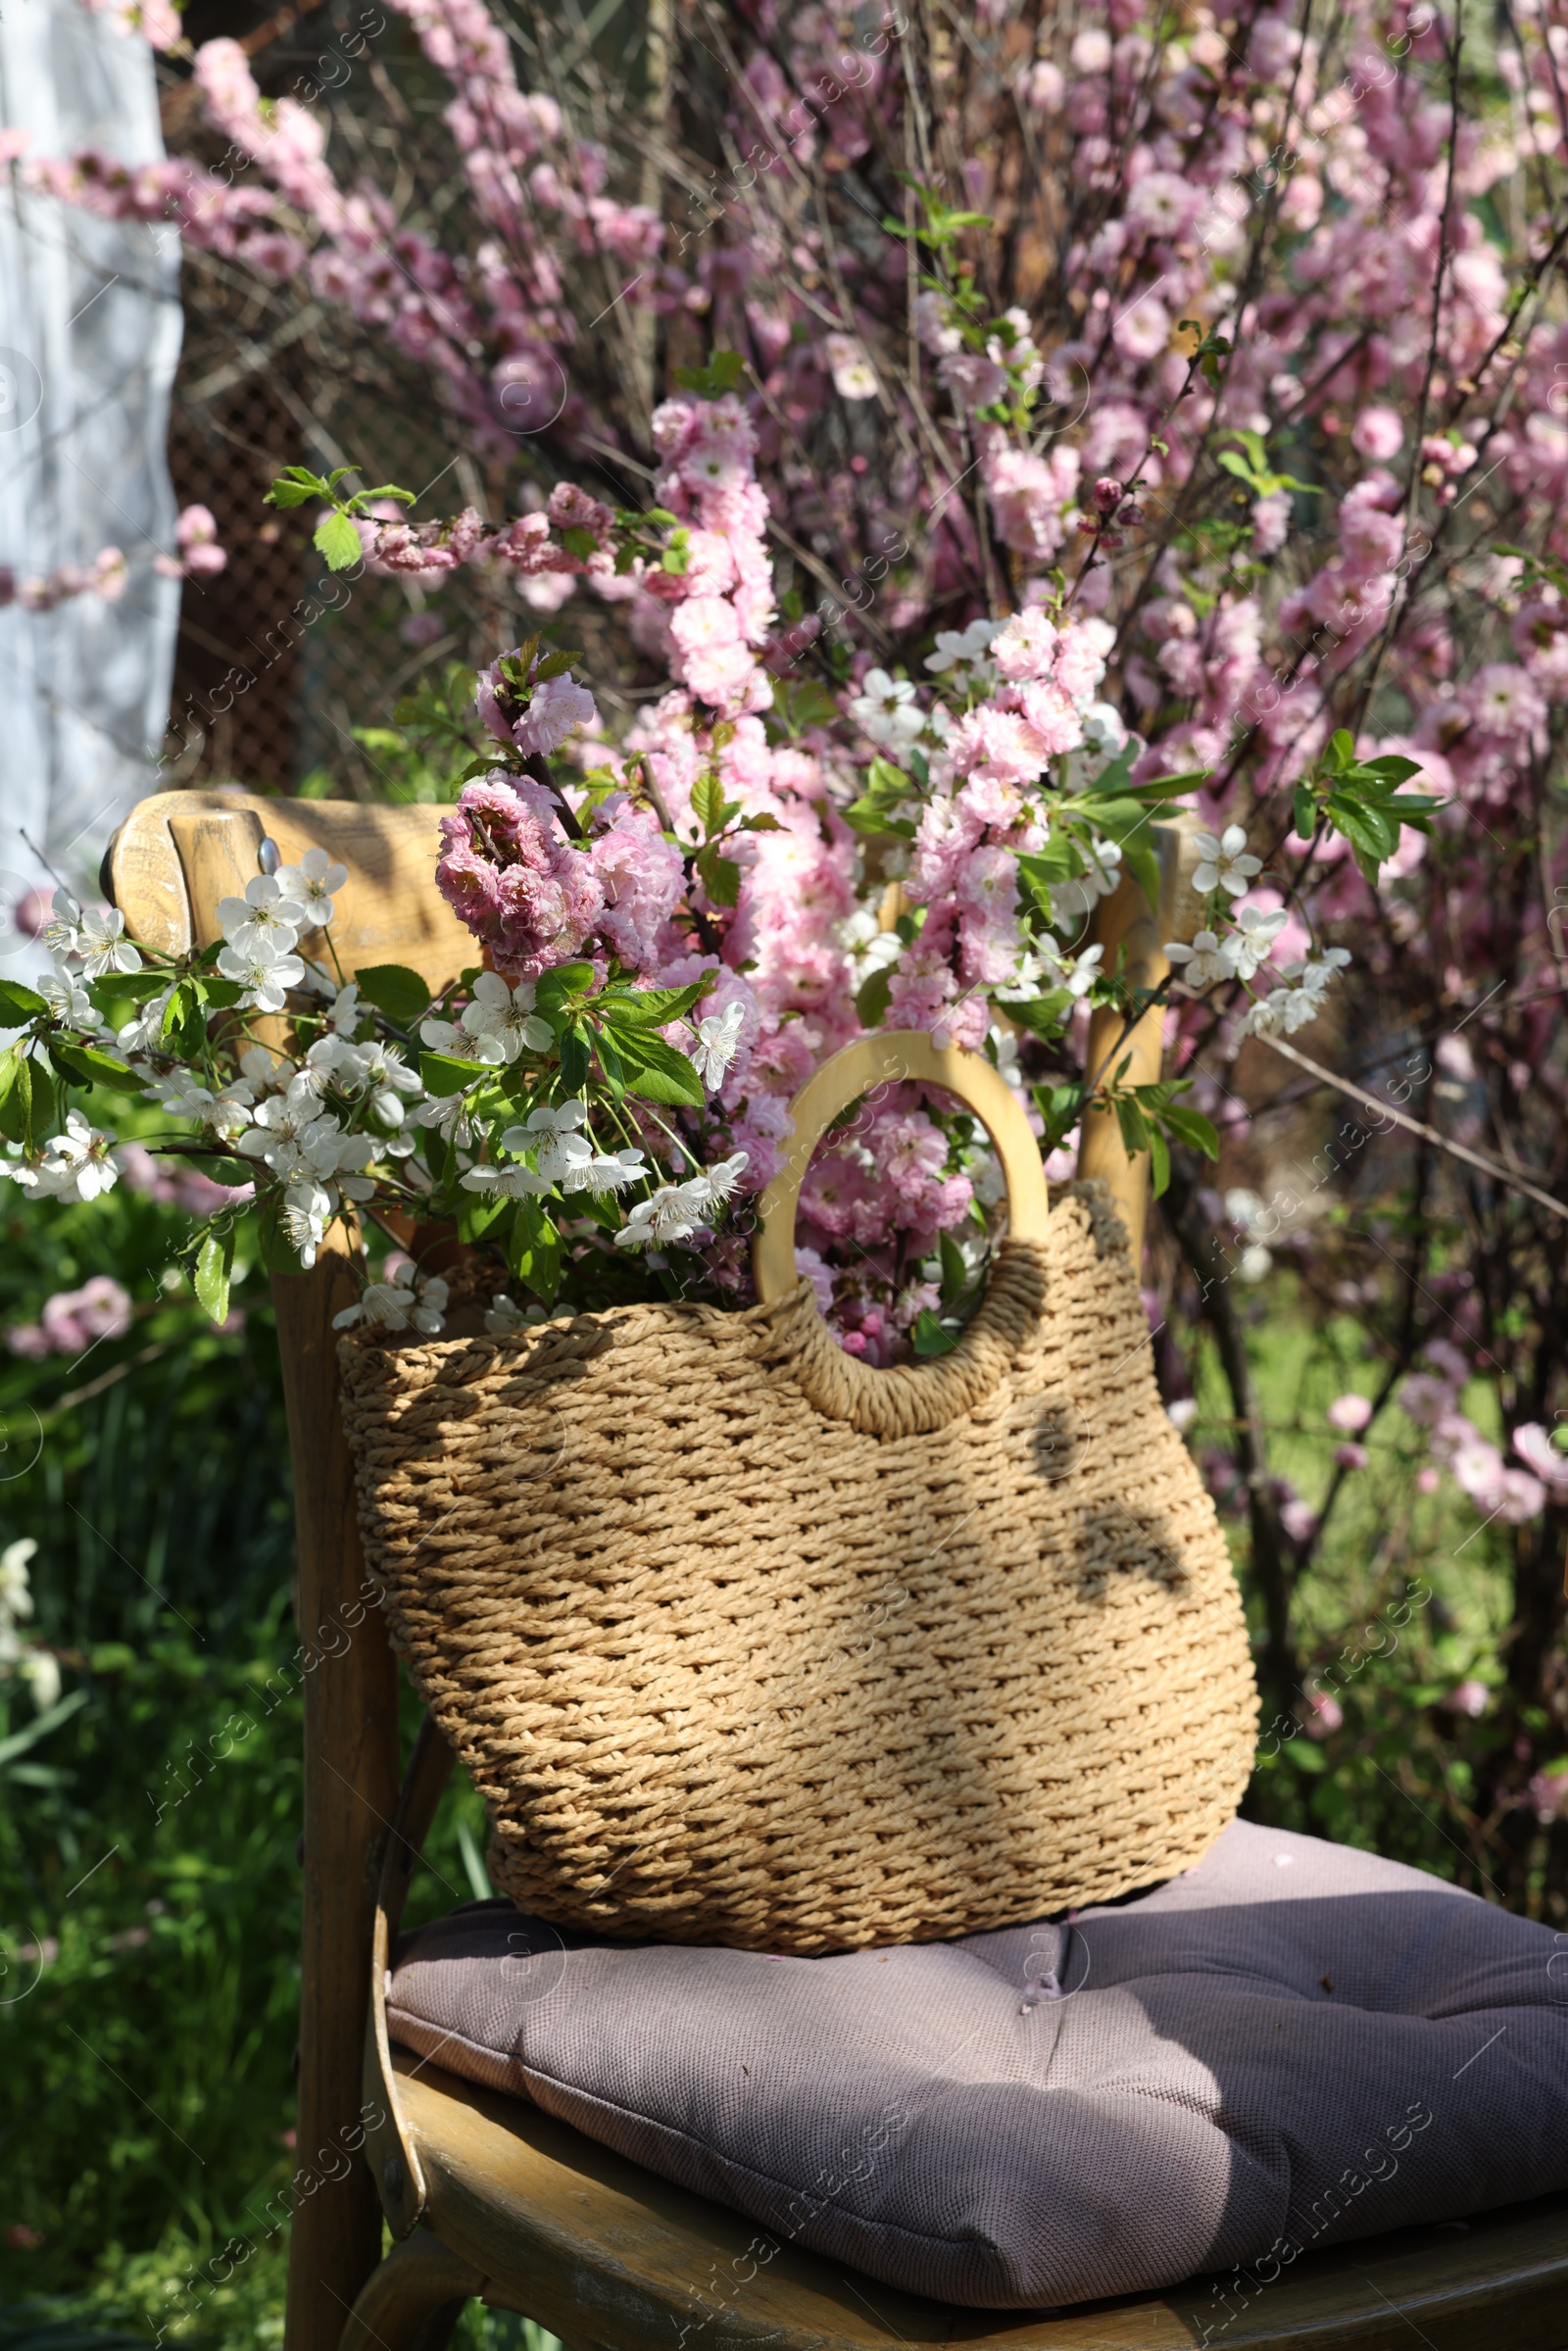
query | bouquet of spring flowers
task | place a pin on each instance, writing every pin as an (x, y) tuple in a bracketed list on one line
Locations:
[(673, 931)]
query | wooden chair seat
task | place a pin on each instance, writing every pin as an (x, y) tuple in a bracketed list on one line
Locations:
[(490, 2197), (538, 2219)]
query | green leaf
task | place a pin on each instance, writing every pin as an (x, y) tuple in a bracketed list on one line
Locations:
[(91, 1067), (656, 1071), (41, 1725), (1396, 768), (954, 1272), (928, 1337), (19, 1003), (721, 876), (294, 486), (1114, 780), (338, 542), (16, 1096), (1159, 1162), (862, 817), (652, 1007), (1194, 1129), (477, 1211), (872, 997), (214, 1267), (708, 802), (1044, 1015), (1130, 1118), (576, 1057), (533, 1249), (184, 1022), (561, 981), (555, 665), (721, 374), (399, 993), (761, 824), (1302, 812), (444, 1073)]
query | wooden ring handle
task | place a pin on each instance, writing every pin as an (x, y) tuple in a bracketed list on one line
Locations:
[(889, 1059)]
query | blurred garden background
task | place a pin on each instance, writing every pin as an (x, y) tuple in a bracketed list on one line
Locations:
[(1363, 1339)]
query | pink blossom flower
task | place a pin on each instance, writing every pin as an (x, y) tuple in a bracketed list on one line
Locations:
[(1377, 433), (1535, 1448), (1025, 647), (1349, 1413)]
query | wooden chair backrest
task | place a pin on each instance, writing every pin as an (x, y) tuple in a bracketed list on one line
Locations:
[(177, 855)]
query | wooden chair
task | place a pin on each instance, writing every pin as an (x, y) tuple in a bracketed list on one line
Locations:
[(492, 2198)]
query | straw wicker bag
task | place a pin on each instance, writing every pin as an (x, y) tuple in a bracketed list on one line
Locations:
[(745, 1641)]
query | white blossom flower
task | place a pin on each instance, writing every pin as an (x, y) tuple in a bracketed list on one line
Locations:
[(887, 710), (312, 883), (853, 376), (268, 1072), (102, 946), (1082, 893), (1285, 1010), (62, 930), (1103, 728), (77, 1165), (1317, 975), (230, 1113), (328, 1061), (674, 1214), (346, 1013), (267, 916), (501, 1022), (307, 1212), (503, 1315), (386, 1076), (562, 1156), (141, 1035), (515, 1181), (1254, 934), (1223, 865), (719, 1180), (717, 1040), (183, 1095), (40, 1670), (263, 972), (451, 1115), (16, 1595), (869, 948), (68, 1000), (297, 1140), (609, 1171), (394, 1306), (1206, 960), (961, 647), (446, 1036)]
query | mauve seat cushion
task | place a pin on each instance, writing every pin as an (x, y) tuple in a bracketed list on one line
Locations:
[(1293, 2041)]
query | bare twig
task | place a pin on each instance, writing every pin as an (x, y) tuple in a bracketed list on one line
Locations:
[(1443, 1143)]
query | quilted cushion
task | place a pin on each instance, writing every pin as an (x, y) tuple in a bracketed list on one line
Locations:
[(1293, 2041)]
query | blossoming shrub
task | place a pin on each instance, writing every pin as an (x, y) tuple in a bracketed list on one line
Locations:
[(1227, 348)]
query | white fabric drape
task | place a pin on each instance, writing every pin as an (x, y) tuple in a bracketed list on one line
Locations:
[(89, 335)]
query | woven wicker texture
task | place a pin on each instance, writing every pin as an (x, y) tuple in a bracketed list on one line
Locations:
[(745, 1642)]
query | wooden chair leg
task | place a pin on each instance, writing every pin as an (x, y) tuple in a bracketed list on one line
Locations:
[(350, 1784), (414, 2301)]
